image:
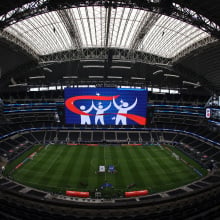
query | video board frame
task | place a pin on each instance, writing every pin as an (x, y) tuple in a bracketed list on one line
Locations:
[(105, 106)]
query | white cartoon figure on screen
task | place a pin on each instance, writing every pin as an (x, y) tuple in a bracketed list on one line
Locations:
[(123, 108), (99, 112), (85, 119)]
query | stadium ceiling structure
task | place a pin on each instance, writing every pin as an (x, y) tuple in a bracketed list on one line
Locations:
[(98, 26), (158, 32)]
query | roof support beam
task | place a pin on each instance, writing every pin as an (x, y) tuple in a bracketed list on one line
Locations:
[(174, 10), (102, 53), (199, 44), (16, 43), (147, 23), (71, 28), (108, 19)]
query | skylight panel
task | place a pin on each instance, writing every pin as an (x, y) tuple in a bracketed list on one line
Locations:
[(124, 24), (121, 32), (43, 33), (127, 31), (90, 25), (48, 33), (169, 36), (87, 35)]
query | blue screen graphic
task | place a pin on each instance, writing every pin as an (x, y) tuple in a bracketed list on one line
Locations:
[(105, 106)]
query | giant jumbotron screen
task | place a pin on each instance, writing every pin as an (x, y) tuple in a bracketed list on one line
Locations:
[(105, 106)]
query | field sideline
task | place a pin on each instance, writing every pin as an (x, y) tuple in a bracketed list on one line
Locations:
[(65, 167)]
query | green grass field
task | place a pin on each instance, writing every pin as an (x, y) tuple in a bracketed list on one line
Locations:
[(59, 168)]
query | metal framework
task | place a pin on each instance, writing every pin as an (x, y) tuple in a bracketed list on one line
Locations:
[(147, 23), (196, 19), (158, 6), (108, 23), (106, 27), (199, 44), (18, 43), (71, 27), (103, 54), (68, 25)]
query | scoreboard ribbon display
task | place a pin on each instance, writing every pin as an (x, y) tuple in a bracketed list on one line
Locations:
[(105, 106)]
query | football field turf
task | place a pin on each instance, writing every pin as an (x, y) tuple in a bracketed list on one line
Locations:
[(59, 168)]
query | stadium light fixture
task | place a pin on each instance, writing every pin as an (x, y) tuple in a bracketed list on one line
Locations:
[(47, 69), (121, 67), (96, 77), (137, 78), (17, 85), (37, 77), (121, 61), (114, 77), (93, 66), (171, 75), (157, 72), (191, 83), (70, 77)]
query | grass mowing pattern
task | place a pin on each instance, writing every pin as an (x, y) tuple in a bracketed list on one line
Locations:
[(59, 168)]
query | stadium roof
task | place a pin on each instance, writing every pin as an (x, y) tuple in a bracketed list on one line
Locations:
[(168, 33), (97, 26)]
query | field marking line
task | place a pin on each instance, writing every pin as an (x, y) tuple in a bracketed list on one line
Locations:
[(47, 146), (105, 163), (161, 147), (52, 161)]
